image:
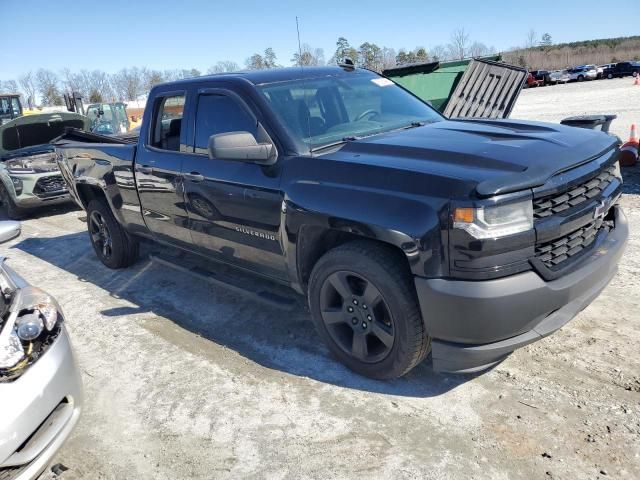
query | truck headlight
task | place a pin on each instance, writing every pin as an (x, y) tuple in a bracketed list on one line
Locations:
[(29, 329), (496, 220), (41, 163)]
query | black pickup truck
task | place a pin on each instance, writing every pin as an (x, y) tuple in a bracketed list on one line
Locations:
[(408, 232)]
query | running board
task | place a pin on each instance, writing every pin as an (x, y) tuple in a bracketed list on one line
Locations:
[(238, 282)]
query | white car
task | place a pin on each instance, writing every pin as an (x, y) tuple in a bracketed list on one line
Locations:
[(559, 76), (40, 385), (582, 73)]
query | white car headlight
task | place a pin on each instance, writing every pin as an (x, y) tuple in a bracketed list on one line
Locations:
[(32, 320), (496, 220), (41, 163)]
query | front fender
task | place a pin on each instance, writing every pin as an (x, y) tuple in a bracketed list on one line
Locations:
[(411, 223)]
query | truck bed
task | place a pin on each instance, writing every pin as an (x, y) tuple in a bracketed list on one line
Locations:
[(75, 135)]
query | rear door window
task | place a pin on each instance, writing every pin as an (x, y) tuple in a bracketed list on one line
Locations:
[(167, 122)]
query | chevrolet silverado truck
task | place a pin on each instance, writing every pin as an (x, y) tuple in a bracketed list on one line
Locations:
[(408, 232)]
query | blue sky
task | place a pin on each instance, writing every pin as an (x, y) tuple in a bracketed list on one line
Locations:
[(162, 35)]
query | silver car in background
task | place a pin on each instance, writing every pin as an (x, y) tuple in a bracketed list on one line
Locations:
[(559, 76), (582, 73), (40, 385)]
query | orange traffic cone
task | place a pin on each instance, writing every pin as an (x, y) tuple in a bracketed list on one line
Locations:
[(629, 150)]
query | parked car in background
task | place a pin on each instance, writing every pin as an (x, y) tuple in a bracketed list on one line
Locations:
[(530, 81), (599, 70), (542, 77), (29, 175), (582, 73), (10, 107), (559, 76), (406, 230), (40, 384), (622, 69)]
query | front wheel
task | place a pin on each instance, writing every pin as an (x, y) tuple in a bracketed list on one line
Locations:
[(580, 78), (11, 209), (364, 306), (609, 76), (112, 244)]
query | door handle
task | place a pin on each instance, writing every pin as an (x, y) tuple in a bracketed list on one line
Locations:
[(193, 176), (145, 169)]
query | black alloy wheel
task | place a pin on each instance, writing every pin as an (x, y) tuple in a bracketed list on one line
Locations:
[(100, 235), (357, 316)]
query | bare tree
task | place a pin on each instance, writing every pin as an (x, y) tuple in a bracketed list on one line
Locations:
[(47, 83), (308, 56), (224, 66), (439, 53), (28, 84), (9, 86), (478, 49), (459, 44), (128, 83), (532, 39), (100, 89), (388, 58)]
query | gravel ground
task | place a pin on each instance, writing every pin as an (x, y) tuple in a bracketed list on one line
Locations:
[(553, 103), (185, 379)]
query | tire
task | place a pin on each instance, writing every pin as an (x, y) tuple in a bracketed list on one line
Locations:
[(112, 244), (634, 74), (580, 78), (11, 209), (382, 340), (609, 76)]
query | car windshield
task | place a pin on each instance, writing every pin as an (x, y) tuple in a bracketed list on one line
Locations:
[(324, 111)]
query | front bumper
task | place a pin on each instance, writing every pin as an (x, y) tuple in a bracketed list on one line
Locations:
[(36, 189), (39, 409), (475, 325)]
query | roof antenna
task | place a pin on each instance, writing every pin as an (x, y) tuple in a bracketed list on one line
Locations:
[(304, 86)]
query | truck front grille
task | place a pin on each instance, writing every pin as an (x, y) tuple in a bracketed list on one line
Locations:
[(49, 186), (554, 253), (550, 205)]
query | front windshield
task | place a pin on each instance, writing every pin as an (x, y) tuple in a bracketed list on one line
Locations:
[(326, 110)]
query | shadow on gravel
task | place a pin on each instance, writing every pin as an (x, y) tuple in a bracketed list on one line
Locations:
[(281, 339), (46, 211)]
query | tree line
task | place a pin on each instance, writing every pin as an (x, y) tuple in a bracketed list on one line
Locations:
[(46, 88), (537, 52), (540, 53)]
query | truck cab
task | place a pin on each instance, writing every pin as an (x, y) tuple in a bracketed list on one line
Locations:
[(10, 107)]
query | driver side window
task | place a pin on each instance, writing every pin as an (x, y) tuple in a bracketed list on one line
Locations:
[(217, 113)]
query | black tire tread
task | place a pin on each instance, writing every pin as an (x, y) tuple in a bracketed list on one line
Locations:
[(130, 247), (13, 211), (396, 270)]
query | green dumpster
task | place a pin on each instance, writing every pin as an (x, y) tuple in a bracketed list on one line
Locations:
[(481, 87)]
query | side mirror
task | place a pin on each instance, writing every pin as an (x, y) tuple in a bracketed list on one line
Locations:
[(9, 230), (240, 146)]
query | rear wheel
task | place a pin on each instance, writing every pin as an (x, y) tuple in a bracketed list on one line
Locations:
[(113, 245), (364, 306), (609, 76), (11, 209), (580, 78)]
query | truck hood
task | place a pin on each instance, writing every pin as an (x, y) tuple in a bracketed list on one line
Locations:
[(499, 156), (39, 129)]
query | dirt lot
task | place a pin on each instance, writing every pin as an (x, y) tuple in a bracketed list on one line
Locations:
[(185, 379)]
